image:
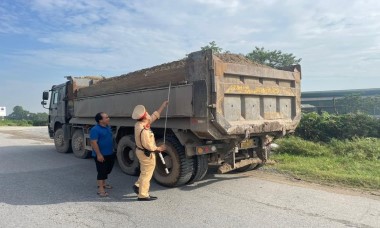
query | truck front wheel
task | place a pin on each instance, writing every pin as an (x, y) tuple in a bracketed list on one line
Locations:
[(180, 167), (62, 145), (126, 156), (78, 144)]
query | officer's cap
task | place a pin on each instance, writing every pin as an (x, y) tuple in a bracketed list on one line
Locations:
[(138, 112)]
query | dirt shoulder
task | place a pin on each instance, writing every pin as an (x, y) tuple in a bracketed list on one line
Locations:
[(34, 133)]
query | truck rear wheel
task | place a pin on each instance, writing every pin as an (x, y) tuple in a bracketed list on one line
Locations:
[(260, 153), (78, 144), (248, 168), (199, 169), (180, 167), (61, 145), (126, 156)]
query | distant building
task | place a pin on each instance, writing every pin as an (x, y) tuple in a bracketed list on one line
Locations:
[(3, 112), (326, 101)]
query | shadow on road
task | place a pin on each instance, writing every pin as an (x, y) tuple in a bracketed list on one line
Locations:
[(211, 178), (38, 175)]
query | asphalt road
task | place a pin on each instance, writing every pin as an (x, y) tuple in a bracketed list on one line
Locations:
[(42, 188)]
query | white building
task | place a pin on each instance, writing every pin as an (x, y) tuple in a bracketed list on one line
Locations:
[(3, 112)]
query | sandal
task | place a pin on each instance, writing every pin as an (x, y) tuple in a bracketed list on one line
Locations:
[(102, 194), (107, 186)]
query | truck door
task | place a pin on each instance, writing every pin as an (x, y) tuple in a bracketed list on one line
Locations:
[(57, 106), (61, 104), (53, 107)]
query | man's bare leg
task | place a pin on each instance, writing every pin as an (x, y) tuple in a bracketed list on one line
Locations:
[(101, 190)]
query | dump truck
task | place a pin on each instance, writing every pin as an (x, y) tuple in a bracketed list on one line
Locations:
[(224, 110)]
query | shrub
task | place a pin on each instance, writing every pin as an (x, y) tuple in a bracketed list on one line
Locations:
[(39, 123), (298, 146), (14, 123), (358, 148), (326, 126)]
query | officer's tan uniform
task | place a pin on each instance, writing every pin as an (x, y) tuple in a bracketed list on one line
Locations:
[(147, 164)]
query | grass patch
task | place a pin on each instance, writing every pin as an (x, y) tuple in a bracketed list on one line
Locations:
[(358, 148), (353, 163), (15, 123), (297, 146)]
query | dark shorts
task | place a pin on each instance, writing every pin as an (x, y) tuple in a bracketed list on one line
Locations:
[(105, 168)]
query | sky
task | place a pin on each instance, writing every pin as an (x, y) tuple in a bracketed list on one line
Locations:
[(41, 41)]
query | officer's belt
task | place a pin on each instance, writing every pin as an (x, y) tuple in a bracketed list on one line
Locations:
[(146, 152)]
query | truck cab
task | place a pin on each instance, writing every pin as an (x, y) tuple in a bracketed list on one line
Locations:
[(61, 108)]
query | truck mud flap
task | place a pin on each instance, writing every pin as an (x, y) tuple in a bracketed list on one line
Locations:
[(66, 131)]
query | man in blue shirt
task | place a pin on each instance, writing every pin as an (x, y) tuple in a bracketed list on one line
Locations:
[(102, 150)]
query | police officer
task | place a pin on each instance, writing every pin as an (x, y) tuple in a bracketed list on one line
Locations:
[(145, 149)]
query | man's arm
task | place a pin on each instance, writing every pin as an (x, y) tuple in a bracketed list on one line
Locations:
[(95, 147)]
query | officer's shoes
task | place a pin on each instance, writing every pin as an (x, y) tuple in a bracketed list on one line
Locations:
[(150, 198), (135, 189)]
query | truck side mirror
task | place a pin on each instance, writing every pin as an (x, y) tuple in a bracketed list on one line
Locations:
[(43, 103), (45, 96)]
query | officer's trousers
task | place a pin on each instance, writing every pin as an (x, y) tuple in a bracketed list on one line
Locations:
[(147, 165)]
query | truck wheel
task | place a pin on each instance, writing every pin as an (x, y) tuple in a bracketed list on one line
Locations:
[(61, 145), (180, 167), (248, 168), (126, 156), (199, 169), (78, 144)]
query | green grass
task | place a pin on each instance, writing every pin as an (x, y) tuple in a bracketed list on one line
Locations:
[(15, 123), (353, 163)]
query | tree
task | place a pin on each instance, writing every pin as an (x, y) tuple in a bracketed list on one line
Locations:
[(35, 119), (213, 46), (275, 59), (39, 119), (355, 103), (19, 113)]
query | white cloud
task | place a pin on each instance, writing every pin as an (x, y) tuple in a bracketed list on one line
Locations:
[(231, 6)]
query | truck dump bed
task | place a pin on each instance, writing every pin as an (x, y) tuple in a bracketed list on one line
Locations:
[(158, 76), (215, 96)]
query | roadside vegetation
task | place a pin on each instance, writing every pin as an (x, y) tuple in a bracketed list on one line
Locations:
[(7, 122), (333, 149), (22, 117)]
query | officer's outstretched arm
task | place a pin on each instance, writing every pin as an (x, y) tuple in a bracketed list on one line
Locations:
[(155, 116)]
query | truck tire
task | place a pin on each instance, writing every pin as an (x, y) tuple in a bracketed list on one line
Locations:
[(180, 167), (248, 168), (126, 156), (61, 145), (78, 145), (199, 169)]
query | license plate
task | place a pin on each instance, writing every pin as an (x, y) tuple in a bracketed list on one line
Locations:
[(248, 143)]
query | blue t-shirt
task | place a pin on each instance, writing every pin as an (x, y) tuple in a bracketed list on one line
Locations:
[(104, 137)]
